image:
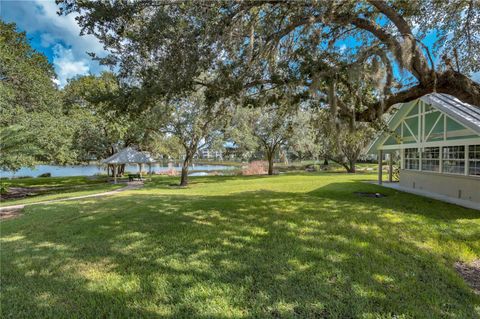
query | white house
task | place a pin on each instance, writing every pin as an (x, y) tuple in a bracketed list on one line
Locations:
[(438, 139)]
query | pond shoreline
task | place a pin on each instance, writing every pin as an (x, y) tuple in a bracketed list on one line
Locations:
[(94, 169)]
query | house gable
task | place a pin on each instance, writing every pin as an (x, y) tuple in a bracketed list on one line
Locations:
[(432, 119)]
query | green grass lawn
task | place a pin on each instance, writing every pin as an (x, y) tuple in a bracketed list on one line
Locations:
[(62, 187), (64, 193), (54, 181), (288, 246)]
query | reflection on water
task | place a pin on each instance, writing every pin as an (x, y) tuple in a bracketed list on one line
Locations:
[(89, 170)]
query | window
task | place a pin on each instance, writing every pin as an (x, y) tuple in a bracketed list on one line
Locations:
[(454, 159), (431, 159), (474, 160), (412, 158)]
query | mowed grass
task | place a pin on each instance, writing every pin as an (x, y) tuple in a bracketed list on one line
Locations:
[(54, 181), (288, 246), (62, 187)]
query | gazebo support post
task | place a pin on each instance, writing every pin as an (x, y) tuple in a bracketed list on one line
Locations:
[(114, 173), (390, 168), (380, 166), (140, 165)]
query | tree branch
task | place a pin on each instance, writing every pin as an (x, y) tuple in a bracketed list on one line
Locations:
[(392, 15)]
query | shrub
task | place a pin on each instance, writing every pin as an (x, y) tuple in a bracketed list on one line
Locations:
[(171, 171), (255, 168), (21, 177), (45, 175), (3, 188)]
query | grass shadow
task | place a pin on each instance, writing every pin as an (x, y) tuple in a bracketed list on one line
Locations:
[(321, 254)]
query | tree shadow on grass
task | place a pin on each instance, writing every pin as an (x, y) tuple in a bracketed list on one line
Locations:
[(404, 202), (325, 254), (167, 182)]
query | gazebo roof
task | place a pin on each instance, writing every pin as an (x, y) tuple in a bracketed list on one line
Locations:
[(129, 156)]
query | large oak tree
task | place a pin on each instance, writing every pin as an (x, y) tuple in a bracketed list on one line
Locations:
[(33, 127), (164, 47)]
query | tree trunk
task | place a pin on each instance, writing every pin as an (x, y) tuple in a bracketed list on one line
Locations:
[(270, 163), (184, 177), (120, 169), (351, 167), (325, 162)]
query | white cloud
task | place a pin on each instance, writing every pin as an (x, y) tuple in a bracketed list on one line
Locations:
[(47, 40), (60, 33), (56, 81), (66, 65)]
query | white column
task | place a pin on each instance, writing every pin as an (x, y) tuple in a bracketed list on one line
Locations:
[(467, 164), (420, 149), (380, 166), (440, 157), (390, 168)]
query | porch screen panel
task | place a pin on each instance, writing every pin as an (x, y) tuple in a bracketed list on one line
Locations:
[(457, 131), (474, 160), (434, 127), (412, 158), (453, 159), (431, 159)]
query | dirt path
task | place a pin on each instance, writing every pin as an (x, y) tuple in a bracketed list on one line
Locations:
[(470, 273), (15, 210)]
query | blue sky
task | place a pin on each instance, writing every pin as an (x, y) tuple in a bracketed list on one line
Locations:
[(58, 37)]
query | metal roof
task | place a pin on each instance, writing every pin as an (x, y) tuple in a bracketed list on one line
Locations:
[(466, 114), (129, 156)]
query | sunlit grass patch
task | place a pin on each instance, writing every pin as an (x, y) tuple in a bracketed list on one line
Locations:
[(287, 246)]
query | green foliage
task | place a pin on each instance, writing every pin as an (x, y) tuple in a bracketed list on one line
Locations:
[(239, 132), (342, 142), (457, 25), (303, 141), (16, 147), (287, 246), (32, 125), (99, 128), (25, 75), (3, 187), (164, 49), (194, 123)]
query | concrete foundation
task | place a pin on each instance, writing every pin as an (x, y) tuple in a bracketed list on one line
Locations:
[(455, 186)]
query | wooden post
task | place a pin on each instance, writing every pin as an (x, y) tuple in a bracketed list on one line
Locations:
[(114, 173), (140, 165), (380, 166), (390, 168)]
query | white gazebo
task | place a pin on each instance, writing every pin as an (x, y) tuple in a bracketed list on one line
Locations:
[(128, 156)]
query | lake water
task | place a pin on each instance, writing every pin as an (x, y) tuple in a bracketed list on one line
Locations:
[(89, 170)]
